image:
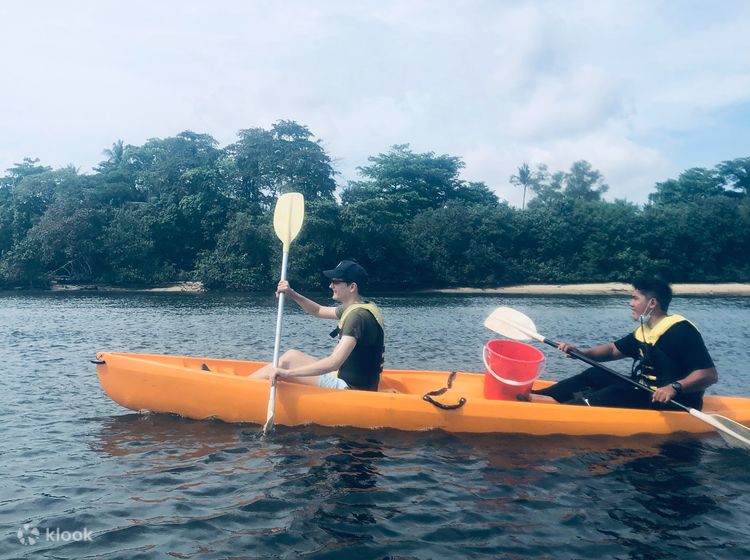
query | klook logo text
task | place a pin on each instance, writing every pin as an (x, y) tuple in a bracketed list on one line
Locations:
[(29, 534)]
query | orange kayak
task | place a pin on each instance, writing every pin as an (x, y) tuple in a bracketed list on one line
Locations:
[(179, 385)]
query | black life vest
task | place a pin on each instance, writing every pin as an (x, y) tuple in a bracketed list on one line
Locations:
[(654, 368)]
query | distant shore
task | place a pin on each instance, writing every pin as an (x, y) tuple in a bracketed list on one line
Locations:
[(608, 288), (195, 287), (600, 289)]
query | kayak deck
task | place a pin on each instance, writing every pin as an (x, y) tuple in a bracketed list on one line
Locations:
[(179, 385)]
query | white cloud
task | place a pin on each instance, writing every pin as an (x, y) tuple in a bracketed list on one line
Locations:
[(495, 83), (583, 100)]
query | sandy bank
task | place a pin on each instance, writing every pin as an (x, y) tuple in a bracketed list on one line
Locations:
[(610, 288), (195, 287)]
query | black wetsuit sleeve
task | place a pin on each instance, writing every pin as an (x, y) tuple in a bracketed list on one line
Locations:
[(685, 344), (628, 345)]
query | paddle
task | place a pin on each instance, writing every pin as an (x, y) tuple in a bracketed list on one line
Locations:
[(514, 324), (287, 221)]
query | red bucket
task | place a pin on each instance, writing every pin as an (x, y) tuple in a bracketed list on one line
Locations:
[(510, 369)]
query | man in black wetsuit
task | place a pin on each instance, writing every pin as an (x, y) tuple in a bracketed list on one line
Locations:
[(669, 353)]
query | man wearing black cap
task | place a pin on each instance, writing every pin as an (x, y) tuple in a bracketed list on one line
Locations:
[(357, 360)]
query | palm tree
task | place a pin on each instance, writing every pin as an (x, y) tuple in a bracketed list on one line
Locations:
[(523, 179), (114, 156)]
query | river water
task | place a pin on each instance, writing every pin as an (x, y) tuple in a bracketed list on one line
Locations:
[(95, 480)]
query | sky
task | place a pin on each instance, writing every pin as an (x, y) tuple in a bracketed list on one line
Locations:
[(641, 89)]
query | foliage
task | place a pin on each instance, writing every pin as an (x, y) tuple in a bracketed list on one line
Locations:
[(407, 183), (581, 183), (266, 163), (182, 208), (242, 257)]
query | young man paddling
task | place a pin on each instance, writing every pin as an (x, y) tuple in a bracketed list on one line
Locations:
[(669, 357), (357, 360)]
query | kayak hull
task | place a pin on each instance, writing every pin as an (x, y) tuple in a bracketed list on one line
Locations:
[(178, 385)]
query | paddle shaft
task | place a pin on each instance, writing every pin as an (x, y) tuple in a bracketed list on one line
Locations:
[(280, 312), (276, 349), (578, 355)]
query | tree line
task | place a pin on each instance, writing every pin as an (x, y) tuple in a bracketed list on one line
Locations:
[(182, 208)]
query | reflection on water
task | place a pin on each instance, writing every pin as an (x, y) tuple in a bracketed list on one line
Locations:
[(150, 486)]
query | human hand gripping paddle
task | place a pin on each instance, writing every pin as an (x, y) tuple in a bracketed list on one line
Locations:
[(514, 324), (287, 221)]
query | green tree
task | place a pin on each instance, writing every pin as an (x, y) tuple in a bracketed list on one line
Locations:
[(31, 194), (699, 241), (320, 245), (371, 231), (735, 175), (459, 245), (243, 257), (693, 185), (63, 240), (583, 182), (409, 183), (547, 187), (115, 157), (19, 171), (129, 244), (160, 164), (266, 163), (523, 179)]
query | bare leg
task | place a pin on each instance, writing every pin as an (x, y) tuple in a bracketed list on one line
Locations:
[(535, 398), (290, 359), (542, 399)]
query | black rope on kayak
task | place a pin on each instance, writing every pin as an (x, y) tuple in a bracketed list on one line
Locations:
[(98, 362), (429, 399)]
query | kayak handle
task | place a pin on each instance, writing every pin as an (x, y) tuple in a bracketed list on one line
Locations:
[(437, 393), (459, 404)]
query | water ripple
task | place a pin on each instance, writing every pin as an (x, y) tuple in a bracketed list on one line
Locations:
[(150, 486)]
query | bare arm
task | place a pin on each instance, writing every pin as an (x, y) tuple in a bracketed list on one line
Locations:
[(307, 305), (695, 381), (602, 353), (324, 365)]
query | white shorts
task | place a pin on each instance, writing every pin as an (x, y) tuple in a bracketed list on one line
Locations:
[(332, 381)]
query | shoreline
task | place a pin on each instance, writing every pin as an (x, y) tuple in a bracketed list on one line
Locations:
[(737, 289), (591, 289), (602, 289), (192, 287)]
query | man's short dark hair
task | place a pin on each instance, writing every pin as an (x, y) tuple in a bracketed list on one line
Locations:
[(655, 288)]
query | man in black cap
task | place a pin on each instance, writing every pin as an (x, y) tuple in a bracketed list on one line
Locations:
[(357, 360)]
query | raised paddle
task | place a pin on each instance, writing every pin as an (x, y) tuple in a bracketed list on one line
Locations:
[(514, 324), (287, 221)]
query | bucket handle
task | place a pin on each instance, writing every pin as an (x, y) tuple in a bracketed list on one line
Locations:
[(502, 379)]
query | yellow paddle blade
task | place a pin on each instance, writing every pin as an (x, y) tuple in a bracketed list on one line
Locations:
[(288, 216), (512, 324)]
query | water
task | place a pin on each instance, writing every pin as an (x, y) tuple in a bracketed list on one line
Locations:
[(153, 486)]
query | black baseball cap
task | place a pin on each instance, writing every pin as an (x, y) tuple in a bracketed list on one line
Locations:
[(349, 271)]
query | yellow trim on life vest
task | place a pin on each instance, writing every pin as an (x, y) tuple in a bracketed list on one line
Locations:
[(371, 307), (650, 335)]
